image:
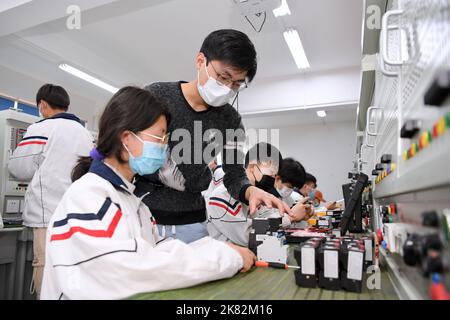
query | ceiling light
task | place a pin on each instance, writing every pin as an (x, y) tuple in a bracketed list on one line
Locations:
[(321, 114), (84, 76), (282, 10), (295, 45), (6, 5)]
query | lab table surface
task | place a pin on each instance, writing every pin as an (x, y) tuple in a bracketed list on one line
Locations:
[(269, 284)]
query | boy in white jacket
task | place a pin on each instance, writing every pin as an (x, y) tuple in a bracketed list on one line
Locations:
[(102, 241), (46, 156), (229, 219)]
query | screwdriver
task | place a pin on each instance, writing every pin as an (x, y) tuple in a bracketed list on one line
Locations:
[(276, 265)]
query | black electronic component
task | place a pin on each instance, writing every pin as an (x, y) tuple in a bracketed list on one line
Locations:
[(375, 172), (418, 247), (305, 280), (433, 263), (353, 207), (430, 219), (410, 129), (351, 285), (411, 253), (275, 224), (379, 166), (307, 275), (261, 226), (252, 242), (439, 90), (329, 283), (386, 158)]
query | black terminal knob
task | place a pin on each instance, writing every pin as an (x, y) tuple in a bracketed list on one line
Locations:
[(379, 166), (375, 172), (411, 254), (386, 158), (433, 263), (410, 129), (430, 219), (439, 90), (430, 242)]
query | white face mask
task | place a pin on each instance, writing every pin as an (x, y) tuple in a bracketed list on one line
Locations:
[(40, 112), (285, 192), (213, 93)]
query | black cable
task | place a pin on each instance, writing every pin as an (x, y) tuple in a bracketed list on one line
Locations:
[(262, 25)]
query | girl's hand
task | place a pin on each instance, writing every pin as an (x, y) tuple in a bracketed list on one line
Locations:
[(247, 255)]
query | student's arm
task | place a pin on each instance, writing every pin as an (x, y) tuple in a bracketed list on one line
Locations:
[(88, 263), (235, 179), (29, 154)]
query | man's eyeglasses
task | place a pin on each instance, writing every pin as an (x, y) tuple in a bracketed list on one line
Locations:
[(236, 85)]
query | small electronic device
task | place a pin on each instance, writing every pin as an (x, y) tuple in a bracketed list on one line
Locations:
[(353, 206)]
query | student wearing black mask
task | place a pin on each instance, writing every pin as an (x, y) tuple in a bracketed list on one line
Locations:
[(229, 218)]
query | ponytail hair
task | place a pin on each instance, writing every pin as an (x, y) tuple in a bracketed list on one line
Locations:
[(82, 167), (130, 109)]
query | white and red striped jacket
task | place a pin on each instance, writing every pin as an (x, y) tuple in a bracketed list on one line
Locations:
[(229, 219), (46, 156), (103, 243)]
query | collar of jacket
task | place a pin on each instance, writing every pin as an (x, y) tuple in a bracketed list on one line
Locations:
[(102, 170), (64, 115), (218, 167)]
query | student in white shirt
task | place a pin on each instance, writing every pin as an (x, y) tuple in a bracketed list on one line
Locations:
[(46, 156), (229, 219), (102, 241)]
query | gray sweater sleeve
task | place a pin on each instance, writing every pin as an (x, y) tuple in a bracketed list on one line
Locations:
[(235, 179)]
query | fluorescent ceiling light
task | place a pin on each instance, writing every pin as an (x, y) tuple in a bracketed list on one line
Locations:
[(282, 10), (295, 45), (6, 5), (321, 114), (84, 76)]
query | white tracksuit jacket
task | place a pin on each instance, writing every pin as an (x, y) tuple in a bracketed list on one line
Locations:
[(229, 219), (103, 243), (46, 156)]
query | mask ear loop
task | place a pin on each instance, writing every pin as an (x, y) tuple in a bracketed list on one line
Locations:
[(128, 150)]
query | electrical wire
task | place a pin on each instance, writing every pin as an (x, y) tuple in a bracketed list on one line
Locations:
[(262, 25)]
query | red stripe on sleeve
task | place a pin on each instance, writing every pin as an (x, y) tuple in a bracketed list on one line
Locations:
[(93, 233)]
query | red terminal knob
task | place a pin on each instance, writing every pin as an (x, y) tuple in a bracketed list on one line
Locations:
[(393, 208), (380, 236)]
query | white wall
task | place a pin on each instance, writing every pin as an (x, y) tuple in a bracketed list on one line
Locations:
[(333, 87), (326, 150), (24, 87)]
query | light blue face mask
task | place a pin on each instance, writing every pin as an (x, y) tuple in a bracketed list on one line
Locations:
[(152, 159)]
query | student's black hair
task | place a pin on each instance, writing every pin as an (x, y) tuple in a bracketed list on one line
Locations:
[(56, 97), (292, 171), (232, 47), (263, 152), (311, 178), (132, 109)]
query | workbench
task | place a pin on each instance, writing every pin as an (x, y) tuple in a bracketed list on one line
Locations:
[(269, 284)]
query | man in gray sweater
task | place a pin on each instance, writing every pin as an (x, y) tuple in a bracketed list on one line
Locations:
[(203, 124)]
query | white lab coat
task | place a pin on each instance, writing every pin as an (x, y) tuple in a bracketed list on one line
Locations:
[(103, 243), (229, 219), (46, 156)]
